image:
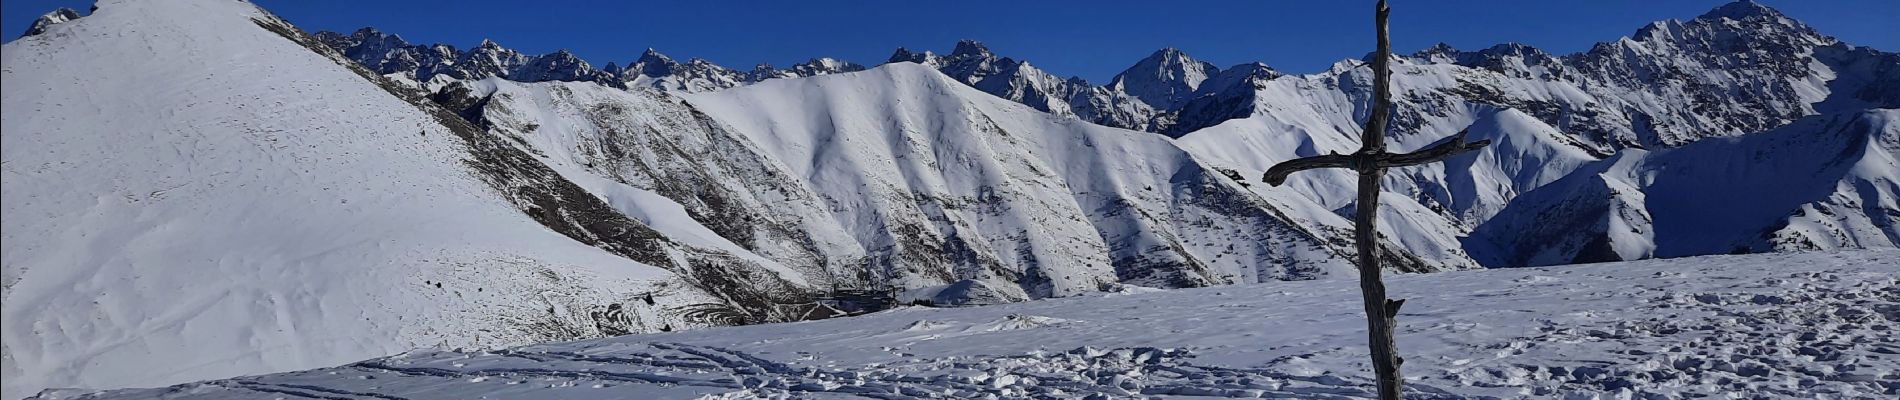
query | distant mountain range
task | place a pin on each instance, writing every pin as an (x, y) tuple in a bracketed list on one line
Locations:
[(1152, 95), (1738, 69), (342, 196)]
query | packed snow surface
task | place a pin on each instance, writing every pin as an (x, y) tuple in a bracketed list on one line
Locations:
[(1800, 325), (169, 221)]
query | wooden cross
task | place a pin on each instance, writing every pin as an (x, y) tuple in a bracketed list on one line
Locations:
[(1371, 161)]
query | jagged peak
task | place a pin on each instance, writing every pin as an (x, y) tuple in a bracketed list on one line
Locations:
[(1251, 66), (367, 34), (906, 55), (1167, 53), (488, 44), (1253, 71), (1438, 53), (971, 48), (829, 64), (63, 12), (1658, 29), (562, 54), (1513, 49), (828, 61), (46, 21), (651, 57), (1169, 56), (1740, 10), (1740, 20)]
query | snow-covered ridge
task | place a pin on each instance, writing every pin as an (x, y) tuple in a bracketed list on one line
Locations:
[(295, 203), (1653, 87), (306, 205), (389, 54), (1825, 182), (1737, 71), (901, 178), (295, 211), (45, 22), (1775, 326)]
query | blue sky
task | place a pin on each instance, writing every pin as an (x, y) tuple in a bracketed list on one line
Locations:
[(1093, 39)]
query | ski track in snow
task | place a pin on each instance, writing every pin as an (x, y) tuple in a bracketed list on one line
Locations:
[(1780, 326)]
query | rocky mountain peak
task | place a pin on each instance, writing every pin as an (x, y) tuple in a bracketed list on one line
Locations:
[(653, 56), (1734, 25), (371, 34), (1741, 10), (1165, 78), (967, 48), (652, 63), (905, 55), (47, 21), (824, 66), (561, 65), (1437, 54), (1228, 95)]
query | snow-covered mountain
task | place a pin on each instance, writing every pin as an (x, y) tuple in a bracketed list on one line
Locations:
[(900, 178), (332, 197), (973, 64), (1166, 92), (44, 22), (293, 210), (1823, 182), (1145, 97), (1165, 79), (320, 208), (388, 54), (1790, 326), (1738, 70)]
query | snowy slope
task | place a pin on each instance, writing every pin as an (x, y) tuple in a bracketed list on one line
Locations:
[(1821, 183), (249, 205), (1672, 84), (1808, 325), (625, 145), (1428, 207), (903, 147), (281, 211), (900, 178)]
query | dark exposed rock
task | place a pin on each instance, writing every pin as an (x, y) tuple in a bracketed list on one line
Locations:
[(44, 22)]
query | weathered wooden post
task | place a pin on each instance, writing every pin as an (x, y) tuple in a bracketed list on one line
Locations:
[(1371, 161)]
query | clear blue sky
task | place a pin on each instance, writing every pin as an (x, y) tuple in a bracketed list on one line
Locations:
[(1093, 39)]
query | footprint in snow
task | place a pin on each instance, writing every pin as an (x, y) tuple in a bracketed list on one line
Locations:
[(924, 325), (1017, 322)]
